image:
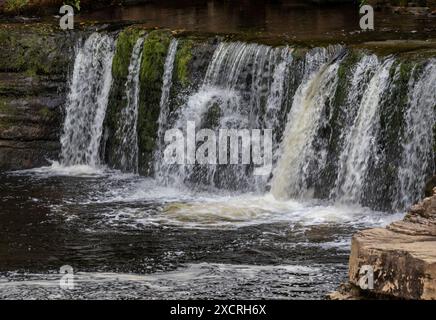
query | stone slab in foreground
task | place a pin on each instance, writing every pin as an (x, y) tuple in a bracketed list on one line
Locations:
[(403, 255)]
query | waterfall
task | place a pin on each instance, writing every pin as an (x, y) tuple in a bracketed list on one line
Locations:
[(417, 160), (243, 73), (127, 150), (164, 106), (237, 87), (362, 73), (332, 139), (360, 143), (305, 115), (277, 92), (87, 101)]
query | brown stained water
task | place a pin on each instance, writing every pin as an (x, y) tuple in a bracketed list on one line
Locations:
[(290, 18)]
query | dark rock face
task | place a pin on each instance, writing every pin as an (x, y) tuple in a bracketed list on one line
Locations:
[(34, 64)]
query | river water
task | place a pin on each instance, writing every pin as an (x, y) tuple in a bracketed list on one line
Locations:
[(353, 131), (126, 237), (289, 18)]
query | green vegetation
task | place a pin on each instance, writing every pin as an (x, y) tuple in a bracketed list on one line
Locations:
[(117, 101), (212, 117), (401, 3), (36, 50), (73, 3), (5, 108), (183, 57), (152, 67), (15, 5), (125, 42), (46, 113)]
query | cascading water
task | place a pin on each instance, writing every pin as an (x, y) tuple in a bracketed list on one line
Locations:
[(303, 119), (362, 72), (238, 86), (277, 93), (417, 160), (164, 106), (87, 101), (247, 86), (335, 140), (127, 150), (360, 143)]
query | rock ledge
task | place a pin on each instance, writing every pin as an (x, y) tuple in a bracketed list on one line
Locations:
[(402, 255)]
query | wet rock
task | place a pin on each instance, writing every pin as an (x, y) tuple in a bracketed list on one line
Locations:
[(34, 66), (18, 155), (346, 291), (431, 183), (403, 255)]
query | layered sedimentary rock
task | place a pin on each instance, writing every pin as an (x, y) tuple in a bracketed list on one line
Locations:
[(403, 255), (33, 80)]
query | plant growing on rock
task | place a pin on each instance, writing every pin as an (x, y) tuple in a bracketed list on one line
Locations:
[(73, 3), (15, 5)]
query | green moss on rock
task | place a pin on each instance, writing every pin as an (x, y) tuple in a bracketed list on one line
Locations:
[(15, 5), (118, 100), (40, 50), (152, 68), (125, 42), (212, 117), (5, 108), (46, 113), (182, 60)]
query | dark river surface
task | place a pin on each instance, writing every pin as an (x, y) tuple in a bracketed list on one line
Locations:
[(293, 19), (126, 237)]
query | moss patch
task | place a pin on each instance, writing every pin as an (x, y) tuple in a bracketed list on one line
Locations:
[(125, 42), (6, 109), (117, 100), (152, 68), (15, 5), (40, 50), (181, 63), (46, 113)]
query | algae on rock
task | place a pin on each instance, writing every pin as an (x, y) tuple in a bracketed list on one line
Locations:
[(154, 53)]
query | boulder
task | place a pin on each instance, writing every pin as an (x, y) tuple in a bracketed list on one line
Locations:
[(402, 255)]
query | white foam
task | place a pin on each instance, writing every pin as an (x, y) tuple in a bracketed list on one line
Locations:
[(188, 209)]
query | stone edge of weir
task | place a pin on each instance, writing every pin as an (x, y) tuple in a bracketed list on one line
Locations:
[(402, 257)]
